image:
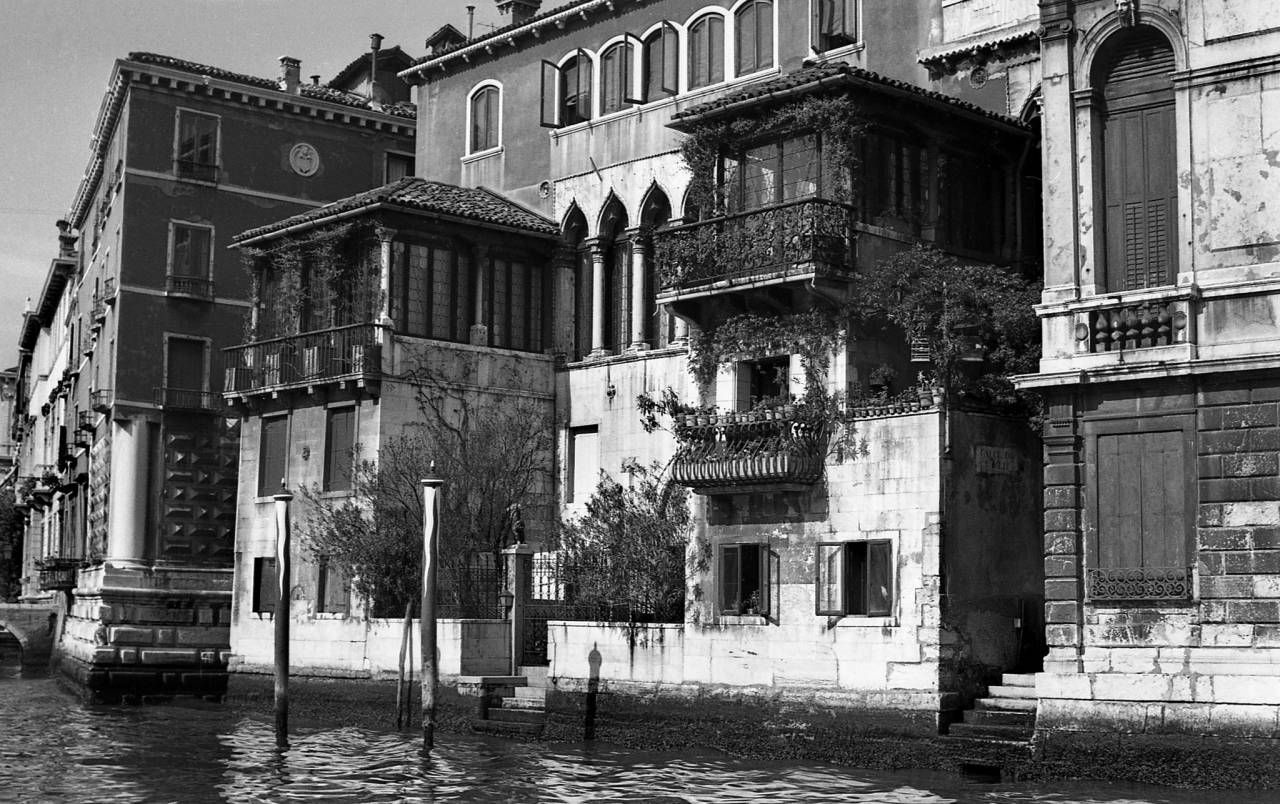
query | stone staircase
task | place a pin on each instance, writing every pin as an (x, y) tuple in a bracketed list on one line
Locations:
[(1007, 715), (517, 710)]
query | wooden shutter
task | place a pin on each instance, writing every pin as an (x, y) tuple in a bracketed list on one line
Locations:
[(339, 446), (266, 588), (828, 579), (1141, 500), (550, 117), (631, 47), (879, 579), (272, 464)]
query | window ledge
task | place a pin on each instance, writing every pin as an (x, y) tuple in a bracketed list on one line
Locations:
[(329, 615), (859, 621), (743, 619), (482, 155), (336, 494), (836, 54)]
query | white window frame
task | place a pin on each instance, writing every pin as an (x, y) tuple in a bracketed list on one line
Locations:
[(835, 52), (476, 90), (773, 7), (681, 62), (178, 112), (686, 47)]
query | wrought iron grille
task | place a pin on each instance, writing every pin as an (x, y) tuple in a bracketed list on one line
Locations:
[(1139, 583), (813, 235), (58, 573), (100, 400), (781, 446), (187, 399)]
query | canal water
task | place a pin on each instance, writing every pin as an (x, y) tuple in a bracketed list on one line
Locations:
[(54, 749)]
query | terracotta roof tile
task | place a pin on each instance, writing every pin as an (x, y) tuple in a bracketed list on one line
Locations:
[(413, 193), (833, 74), (392, 54)]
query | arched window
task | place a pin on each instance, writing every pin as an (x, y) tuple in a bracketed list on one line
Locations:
[(706, 51), (753, 37), (1137, 165), (615, 78), (485, 110), (575, 230), (659, 326), (575, 90), (617, 285), (660, 63)]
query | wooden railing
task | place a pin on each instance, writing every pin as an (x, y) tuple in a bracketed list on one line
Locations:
[(306, 359), (809, 236)]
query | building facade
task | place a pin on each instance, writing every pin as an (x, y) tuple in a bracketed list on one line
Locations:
[(1163, 600), (128, 465)]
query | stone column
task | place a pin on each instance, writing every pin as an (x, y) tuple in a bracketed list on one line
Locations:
[(598, 254), (519, 582), (682, 330), (127, 536), (640, 250), (385, 252)]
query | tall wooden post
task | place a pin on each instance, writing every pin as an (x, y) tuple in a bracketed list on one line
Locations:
[(430, 553), (281, 617)]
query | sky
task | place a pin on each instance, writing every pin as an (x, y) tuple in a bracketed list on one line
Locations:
[(56, 58)]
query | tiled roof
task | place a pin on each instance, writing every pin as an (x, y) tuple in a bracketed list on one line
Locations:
[(413, 193), (830, 75), (359, 62), (498, 33), (984, 43), (304, 90)]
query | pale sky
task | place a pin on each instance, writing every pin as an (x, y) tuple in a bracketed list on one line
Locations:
[(56, 57)]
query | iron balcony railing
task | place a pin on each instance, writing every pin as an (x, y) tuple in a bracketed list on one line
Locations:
[(197, 287), (109, 290), (188, 399), (755, 450), (98, 308), (312, 357), (100, 400), (799, 237)]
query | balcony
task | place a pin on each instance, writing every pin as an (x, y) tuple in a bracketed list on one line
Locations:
[(793, 241), (1139, 584), (58, 574), (734, 453), (101, 399), (188, 400), (98, 310), (312, 358), (193, 287), (199, 171), (84, 420), (1137, 326), (109, 290)]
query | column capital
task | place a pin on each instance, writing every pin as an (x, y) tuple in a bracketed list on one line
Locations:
[(385, 233)]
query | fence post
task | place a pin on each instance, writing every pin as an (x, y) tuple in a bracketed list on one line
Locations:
[(430, 553), (519, 581), (281, 617)]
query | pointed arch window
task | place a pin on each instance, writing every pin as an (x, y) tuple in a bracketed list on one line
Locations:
[(1137, 164), (753, 36)]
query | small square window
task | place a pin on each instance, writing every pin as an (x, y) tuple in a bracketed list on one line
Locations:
[(333, 588), (266, 586), (745, 579), (854, 578)]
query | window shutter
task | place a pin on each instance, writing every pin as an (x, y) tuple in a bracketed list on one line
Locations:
[(550, 80), (766, 580), (631, 47), (1141, 493), (730, 580), (828, 579), (265, 585), (585, 105), (272, 460), (745, 56), (670, 58), (879, 578), (339, 445)]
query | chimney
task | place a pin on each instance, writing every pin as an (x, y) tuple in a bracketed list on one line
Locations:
[(375, 45), (315, 80), (66, 240), (290, 74), (514, 12), (443, 40)]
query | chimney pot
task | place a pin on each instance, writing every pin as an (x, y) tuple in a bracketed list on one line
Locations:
[(315, 80), (514, 12), (290, 74), (375, 41)]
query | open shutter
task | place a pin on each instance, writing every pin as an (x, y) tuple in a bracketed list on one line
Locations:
[(586, 104), (550, 81), (631, 46), (670, 58), (879, 578), (265, 585), (730, 580), (828, 579)]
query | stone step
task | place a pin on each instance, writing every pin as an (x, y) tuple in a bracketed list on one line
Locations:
[(984, 732), (530, 693), (522, 703), (1011, 692), (1018, 679), (1006, 704), (537, 676), (505, 729), (1000, 717), (518, 715)]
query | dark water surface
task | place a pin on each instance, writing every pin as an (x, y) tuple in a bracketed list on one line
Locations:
[(54, 749)]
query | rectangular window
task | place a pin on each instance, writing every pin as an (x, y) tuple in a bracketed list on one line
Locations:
[(185, 378), (744, 579), (273, 455), (971, 202), (196, 154), (398, 166), (339, 448), (428, 297), (584, 463), (835, 23), (893, 178), (333, 589), (854, 578), (266, 585), (191, 250), (771, 173)]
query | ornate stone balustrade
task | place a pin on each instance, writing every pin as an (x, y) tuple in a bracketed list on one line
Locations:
[(1136, 326)]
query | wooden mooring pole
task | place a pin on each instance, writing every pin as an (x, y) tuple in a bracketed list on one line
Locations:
[(431, 491), (281, 617)]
